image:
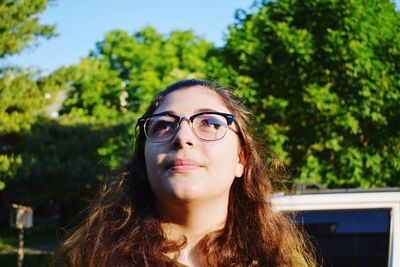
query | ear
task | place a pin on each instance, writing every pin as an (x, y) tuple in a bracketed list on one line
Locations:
[(240, 165)]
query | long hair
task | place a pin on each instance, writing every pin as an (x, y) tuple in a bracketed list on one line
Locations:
[(122, 227)]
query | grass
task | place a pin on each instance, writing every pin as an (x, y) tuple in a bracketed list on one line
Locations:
[(33, 237), (38, 235), (10, 260)]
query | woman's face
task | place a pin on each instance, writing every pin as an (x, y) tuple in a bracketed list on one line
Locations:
[(187, 168)]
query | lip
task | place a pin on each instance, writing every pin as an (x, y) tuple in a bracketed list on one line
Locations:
[(183, 165)]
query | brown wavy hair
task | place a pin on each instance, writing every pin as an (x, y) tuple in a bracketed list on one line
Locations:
[(122, 227)]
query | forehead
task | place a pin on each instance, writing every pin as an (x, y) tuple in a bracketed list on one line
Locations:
[(188, 101)]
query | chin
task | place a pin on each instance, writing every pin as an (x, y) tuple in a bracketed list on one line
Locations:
[(186, 195)]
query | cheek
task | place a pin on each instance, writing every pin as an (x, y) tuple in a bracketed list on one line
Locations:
[(148, 155), (225, 159), (152, 157)]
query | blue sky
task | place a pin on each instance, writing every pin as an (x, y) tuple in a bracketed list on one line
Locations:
[(81, 23)]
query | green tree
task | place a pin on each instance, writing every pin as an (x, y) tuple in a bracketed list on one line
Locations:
[(64, 160), (43, 159), (23, 94), (325, 76), (22, 101), (147, 61), (20, 25)]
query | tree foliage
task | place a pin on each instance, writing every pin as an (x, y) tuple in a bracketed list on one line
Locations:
[(125, 71), (20, 25), (23, 101), (325, 76), (23, 94)]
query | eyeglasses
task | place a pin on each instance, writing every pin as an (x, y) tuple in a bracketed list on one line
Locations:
[(208, 126)]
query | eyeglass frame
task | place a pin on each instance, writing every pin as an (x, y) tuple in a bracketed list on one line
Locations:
[(230, 118)]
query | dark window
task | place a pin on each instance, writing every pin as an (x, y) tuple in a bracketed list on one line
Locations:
[(349, 238)]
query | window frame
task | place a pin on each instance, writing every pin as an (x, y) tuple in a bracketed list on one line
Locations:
[(349, 201)]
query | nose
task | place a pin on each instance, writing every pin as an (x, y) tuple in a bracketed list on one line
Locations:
[(185, 135)]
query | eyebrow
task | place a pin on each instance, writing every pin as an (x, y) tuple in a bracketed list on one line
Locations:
[(206, 110), (195, 112)]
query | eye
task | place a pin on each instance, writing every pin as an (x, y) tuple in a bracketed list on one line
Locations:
[(159, 126), (211, 121)]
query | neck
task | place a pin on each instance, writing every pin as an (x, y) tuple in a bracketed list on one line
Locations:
[(192, 220)]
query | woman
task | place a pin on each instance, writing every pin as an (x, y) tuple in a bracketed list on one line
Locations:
[(196, 193)]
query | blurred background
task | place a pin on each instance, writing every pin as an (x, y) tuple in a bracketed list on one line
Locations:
[(322, 78)]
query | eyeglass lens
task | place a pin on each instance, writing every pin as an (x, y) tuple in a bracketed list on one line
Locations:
[(206, 126)]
